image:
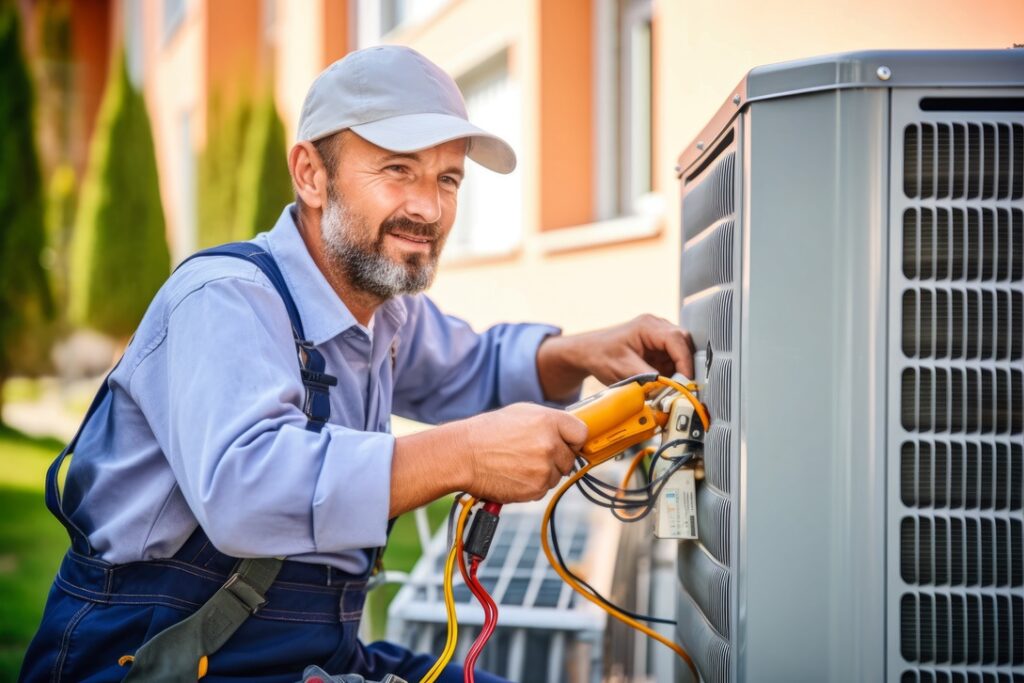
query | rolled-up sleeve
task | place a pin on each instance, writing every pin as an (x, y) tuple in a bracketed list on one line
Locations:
[(223, 397), (445, 371)]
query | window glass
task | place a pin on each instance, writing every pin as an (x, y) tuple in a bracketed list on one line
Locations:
[(623, 51), (489, 218), (174, 15)]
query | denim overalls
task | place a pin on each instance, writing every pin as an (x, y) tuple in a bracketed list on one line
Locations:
[(97, 613)]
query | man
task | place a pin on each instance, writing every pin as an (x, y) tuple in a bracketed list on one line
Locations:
[(207, 445)]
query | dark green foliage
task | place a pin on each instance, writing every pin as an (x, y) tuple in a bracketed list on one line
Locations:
[(264, 184), (243, 172), (119, 252), (218, 176), (24, 292)]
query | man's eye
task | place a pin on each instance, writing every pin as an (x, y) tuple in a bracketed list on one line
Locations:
[(450, 180), (396, 168)]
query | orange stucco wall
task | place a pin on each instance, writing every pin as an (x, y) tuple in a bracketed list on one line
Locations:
[(701, 49), (234, 59), (335, 30), (566, 113)]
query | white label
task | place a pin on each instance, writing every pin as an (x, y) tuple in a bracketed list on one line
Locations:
[(676, 511)]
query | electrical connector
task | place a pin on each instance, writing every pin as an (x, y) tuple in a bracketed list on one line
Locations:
[(482, 529)]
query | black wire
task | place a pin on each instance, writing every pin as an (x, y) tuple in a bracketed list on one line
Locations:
[(661, 449), (451, 518), (653, 488), (593, 591), (662, 482), (658, 455)]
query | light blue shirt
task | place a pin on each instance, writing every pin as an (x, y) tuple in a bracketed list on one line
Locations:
[(203, 423)]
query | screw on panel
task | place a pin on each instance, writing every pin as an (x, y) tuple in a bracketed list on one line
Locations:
[(700, 145), (678, 168), (736, 100), (884, 73)]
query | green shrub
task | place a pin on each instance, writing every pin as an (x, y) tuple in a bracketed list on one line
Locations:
[(265, 186), (25, 302), (119, 251), (218, 176)]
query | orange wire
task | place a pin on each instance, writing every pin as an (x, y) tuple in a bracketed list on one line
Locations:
[(702, 412), (579, 474)]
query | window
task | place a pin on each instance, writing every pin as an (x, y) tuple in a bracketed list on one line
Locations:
[(134, 43), (623, 106), (489, 219), (174, 16), (377, 18)]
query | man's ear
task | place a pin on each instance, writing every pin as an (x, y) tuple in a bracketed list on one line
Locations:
[(308, 174)]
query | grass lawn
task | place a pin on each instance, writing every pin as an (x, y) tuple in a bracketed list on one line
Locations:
[(32, 543)]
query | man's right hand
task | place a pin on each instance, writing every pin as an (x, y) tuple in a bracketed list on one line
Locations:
[(520, 452), (510, 455)]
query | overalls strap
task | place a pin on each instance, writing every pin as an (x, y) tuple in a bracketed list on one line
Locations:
[(317, 404), (178, 653)]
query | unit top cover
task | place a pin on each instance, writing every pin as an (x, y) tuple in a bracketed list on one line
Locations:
[(867, 69)]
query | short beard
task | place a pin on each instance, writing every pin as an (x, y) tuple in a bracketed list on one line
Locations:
[(358, 256)]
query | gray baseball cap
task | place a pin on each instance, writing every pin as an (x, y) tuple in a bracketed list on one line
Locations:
[(397, 99)]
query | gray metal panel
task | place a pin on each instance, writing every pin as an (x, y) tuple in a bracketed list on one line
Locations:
[(709, 265), (811, 498), (906, 69), (956, 566)]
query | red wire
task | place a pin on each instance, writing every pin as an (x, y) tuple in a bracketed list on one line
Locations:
[(486, 601), (490, 621)]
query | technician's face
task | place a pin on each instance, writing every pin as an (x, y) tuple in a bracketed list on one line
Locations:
[(388, 214)]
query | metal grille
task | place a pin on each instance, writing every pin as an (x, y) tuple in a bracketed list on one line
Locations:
[(708, 272), (958, 257)]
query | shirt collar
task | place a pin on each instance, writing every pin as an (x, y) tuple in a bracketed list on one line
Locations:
[(324, 315)]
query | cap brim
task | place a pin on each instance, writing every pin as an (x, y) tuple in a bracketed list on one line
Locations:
[(415, 132)]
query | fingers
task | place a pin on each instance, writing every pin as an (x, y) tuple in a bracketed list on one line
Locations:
[(664, 336), (679, 345), (572, 430)]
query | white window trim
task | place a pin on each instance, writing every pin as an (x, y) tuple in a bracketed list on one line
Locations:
[(370, 30), (467, 254), (170, 25), (647, 222), (606, 109)]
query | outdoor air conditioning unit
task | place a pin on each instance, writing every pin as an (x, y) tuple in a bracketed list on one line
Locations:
[(853, 276)]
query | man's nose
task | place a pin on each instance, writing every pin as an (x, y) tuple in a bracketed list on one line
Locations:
[(423, 202)]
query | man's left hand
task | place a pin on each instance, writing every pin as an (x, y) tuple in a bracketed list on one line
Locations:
[(645, 344)]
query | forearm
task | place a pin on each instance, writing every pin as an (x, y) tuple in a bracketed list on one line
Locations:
[(428, 465), (561, 366)]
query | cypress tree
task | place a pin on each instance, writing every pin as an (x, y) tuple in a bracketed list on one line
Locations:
[(119, 252), (24, 292), (265, 185), (218, 176)]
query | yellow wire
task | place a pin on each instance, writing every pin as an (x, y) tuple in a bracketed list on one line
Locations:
[(579, 589), (702, 412), (449, 597)]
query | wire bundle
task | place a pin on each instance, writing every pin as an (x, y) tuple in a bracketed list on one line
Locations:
[(449, 593), (628, 505), (457, 555)]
